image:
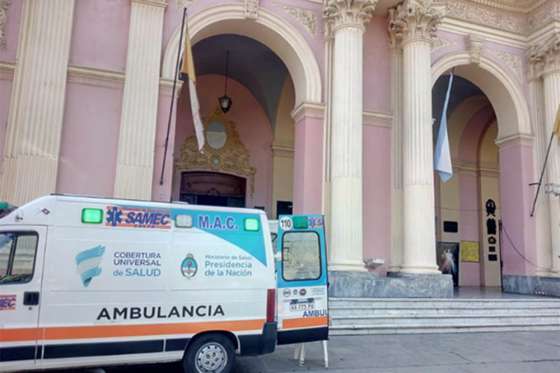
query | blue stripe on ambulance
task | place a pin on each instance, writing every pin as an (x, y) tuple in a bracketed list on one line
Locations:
[(229, 226)]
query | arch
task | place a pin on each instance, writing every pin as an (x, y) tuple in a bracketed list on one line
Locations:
[(503, 91), (473, 132), (459, 118), (268, 29)]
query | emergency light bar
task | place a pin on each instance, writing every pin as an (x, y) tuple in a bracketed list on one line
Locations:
[(251, 225), (300, 222), (92, 216)]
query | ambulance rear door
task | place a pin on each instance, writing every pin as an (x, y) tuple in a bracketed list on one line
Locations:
[(302, 279)]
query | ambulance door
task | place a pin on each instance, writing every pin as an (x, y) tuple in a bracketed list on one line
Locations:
[(21, 267), (302, 279)]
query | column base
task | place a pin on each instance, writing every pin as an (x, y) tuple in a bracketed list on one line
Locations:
[(531, 285), (345, 284), (347, 266), (547, 272), (431, 270)]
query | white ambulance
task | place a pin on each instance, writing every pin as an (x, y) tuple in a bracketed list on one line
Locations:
[(87, 282)]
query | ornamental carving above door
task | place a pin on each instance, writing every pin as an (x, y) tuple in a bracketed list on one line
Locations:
[(223, 151)]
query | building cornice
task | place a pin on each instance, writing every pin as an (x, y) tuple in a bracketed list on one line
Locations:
[(7, 66), (7, 71), (283, 151), (522, 6), (524, 139), (482, 14), (95, 77), (377, 119), (490, 34), (526, 18), (308, 109), (157, 3)]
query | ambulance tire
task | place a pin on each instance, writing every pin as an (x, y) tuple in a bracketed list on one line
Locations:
[(213, 353)]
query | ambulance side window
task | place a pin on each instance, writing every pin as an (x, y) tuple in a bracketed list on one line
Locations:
[(17, 256), (301, 256)]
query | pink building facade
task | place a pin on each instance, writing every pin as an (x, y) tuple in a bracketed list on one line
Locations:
[(333, 112)]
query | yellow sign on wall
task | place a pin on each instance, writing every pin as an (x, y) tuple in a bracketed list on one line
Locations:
[(470, 251)]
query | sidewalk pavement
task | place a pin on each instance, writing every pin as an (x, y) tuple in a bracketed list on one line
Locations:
[(516, 352)]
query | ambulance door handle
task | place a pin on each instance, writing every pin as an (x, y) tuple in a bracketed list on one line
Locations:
[(31, 298)]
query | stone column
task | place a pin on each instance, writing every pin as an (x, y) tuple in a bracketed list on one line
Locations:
[(308, 159), (396, 148), (542, 137), (32, 146), (551, 77), (347, 21), (415, 22), (135, 158)]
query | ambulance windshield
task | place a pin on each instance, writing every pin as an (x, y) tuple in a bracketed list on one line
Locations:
[(17, 256)]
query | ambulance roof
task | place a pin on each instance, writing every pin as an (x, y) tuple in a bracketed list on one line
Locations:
[(35, 211)]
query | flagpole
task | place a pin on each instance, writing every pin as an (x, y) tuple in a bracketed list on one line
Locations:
[(542, 174), (173, 95)]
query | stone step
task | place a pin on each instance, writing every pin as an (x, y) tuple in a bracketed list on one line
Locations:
[(351, 316), (431, 304), (446, 321), (396, 329), (439, 312), (445, 300)]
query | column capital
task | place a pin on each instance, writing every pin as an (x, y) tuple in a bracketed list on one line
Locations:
[(544, 57), (348, 13), (414, 20)]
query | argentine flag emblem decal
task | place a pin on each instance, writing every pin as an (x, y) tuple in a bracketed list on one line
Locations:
[(189, 266), (88, 262)]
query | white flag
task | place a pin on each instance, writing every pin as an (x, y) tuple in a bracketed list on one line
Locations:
[(442, 157), (187, 69)]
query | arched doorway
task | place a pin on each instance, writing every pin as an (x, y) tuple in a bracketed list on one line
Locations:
[(212, 189), (295, 98), (243, 141), (468, 205), (482, 214)]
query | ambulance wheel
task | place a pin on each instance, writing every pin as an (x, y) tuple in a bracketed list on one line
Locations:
[(211, 353)]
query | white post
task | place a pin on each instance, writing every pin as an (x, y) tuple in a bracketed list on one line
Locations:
[(347, 21), (544, 61), (396, 150), (36, 116), (551, 105), (542, 137), (135, 158), (415, 22)]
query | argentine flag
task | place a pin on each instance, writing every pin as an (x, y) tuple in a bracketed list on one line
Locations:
[(442, 157), (88, 263)]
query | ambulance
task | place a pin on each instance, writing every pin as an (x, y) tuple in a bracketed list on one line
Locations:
[(94, 282)]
